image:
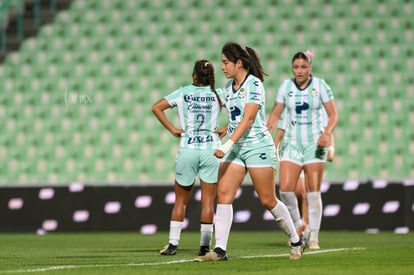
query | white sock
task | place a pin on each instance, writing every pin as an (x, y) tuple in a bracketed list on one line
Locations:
[(306, 233), (291, 202), (283, 219), (223, 222), (315, 214), (175, 232), (206, 233)]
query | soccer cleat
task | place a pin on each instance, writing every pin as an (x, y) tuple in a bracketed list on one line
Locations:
[(169, 250), (217, 254), (296, 252), (303, 240), (314, 245), (203, 250)]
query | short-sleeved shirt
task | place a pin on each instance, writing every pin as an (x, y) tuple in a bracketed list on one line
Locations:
[(250, 91), (281, 124), (199, 111), (304, 110)]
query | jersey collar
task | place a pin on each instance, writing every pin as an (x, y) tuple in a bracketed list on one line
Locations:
[(309, 83), (244, 80)]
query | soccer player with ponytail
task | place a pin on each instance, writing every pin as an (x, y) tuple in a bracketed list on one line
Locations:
[(307, 139), (199, 109), (249, 149)]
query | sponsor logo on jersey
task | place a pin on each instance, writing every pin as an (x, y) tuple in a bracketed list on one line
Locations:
[(263, 156), (241, 93), (301, 107), (190, 98)]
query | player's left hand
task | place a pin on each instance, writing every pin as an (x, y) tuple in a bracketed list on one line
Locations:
[(323, 140)]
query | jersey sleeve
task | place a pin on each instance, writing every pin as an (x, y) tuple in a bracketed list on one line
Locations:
[(255, 91), (326, 92), (174, 97), (281, 124), (280, 98)]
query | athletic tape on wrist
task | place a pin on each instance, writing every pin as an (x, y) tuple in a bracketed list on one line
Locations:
[(226, 146)]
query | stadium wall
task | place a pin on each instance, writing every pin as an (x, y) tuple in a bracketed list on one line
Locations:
[(370, 206)]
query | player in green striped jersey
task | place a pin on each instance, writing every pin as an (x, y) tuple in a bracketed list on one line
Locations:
[(250, 148), (300, 190), (199, 109), (306, 139)]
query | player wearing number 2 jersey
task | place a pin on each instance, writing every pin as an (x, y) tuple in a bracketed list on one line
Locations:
[(306, 138), (199, 109)]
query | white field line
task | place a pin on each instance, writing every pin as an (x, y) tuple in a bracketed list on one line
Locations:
[(61, 267)]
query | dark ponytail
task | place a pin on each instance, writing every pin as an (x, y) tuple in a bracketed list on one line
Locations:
[(248, 56), (204, 70)]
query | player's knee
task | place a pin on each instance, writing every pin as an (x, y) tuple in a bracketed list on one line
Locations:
[(268, 201), (224, 197)]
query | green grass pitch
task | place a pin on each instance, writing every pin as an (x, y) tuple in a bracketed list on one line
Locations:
[(251, 252)]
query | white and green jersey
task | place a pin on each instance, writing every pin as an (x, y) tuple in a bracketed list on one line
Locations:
[(281, 124), (199, 111), (251, 91), (304, 110)]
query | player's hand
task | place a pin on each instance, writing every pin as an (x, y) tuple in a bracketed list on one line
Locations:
[(219, 154), (177, 132), (323, 140), (223, 149), (221, 132), (331, 153)]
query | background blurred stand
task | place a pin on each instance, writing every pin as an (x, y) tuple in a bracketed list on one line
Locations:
[(20, 19)]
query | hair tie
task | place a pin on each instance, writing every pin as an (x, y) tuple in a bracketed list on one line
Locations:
[(245, 50), (309, 55), (206, 64)]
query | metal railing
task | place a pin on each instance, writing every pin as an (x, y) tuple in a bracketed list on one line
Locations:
[(14, 10)]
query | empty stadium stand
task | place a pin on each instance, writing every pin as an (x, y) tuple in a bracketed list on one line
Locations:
[(75, 102)]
